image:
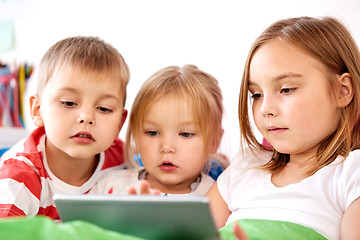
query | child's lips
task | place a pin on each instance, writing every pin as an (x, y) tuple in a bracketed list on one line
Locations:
[(167, 166), (276, 130), (83, 138)]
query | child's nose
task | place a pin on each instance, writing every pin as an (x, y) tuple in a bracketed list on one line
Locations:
[(86, 117), (269, 106), (87, 121), (167, 146)]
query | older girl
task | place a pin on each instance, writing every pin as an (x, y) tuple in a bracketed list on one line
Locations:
[(302, 75)]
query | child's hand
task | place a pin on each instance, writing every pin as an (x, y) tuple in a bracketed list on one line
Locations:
[(239, 232), (144, 189)]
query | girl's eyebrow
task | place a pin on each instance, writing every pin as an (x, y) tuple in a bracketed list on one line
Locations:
[(280, 77), (149, 121), (188, 124), (251, 83), (184, 123), (288, 75)]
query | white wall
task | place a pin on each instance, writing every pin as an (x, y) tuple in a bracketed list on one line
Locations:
[(214, 35)]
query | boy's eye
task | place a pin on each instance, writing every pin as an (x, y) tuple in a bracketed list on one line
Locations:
[(104, 109), (186, 134), (152, 133), (68, 103)]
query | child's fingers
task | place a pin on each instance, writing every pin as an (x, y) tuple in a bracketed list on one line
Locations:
[(131, 190), (239, 232), (145, 188), (155, 192)]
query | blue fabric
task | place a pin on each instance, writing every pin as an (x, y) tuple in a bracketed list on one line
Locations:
[(3, 150), (215, 169)]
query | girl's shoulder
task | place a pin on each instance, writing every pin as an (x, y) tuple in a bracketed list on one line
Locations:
[(251, 158), (345, 172), (353, 159), (202, 187), (354, 155), (351, 163)]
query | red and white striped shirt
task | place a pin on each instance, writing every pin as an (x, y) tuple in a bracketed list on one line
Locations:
[(27, 185)]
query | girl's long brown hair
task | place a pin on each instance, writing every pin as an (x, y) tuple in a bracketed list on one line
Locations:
[(327, 40)]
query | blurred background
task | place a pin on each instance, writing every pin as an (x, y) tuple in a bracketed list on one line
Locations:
[(151, 34)]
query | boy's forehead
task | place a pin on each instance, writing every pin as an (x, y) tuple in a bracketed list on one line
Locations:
[(78, 74), (71, 77)]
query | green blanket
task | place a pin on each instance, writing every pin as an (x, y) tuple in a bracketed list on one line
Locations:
[(258, 229), (42, 228)]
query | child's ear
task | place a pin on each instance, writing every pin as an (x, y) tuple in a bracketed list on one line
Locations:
[(345, 93), (123, 119), (35, 111)]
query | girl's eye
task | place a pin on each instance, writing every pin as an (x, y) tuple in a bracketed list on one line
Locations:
[(104, 109), (186, 134), (287, 90), (152, 133), (256, 96), (68, 103)]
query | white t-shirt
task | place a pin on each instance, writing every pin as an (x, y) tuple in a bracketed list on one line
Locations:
[(317, 202), (117, 181)]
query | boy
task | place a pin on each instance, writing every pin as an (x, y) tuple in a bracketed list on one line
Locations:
[(79, 111)]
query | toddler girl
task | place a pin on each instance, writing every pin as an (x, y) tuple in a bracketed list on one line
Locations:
[(175, 125)]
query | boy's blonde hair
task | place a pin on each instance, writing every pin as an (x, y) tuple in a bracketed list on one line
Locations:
[(327, 40), (189, 85), (89, 55)]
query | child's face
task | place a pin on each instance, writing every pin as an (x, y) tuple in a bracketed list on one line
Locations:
[(292, 104), (82, 116), (171, 146)]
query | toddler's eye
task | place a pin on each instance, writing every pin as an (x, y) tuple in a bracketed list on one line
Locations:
[(68, 103), (186, 134), (104, 109), (152, 133)]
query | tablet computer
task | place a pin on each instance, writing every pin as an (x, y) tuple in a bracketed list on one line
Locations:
[(146, 216)]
